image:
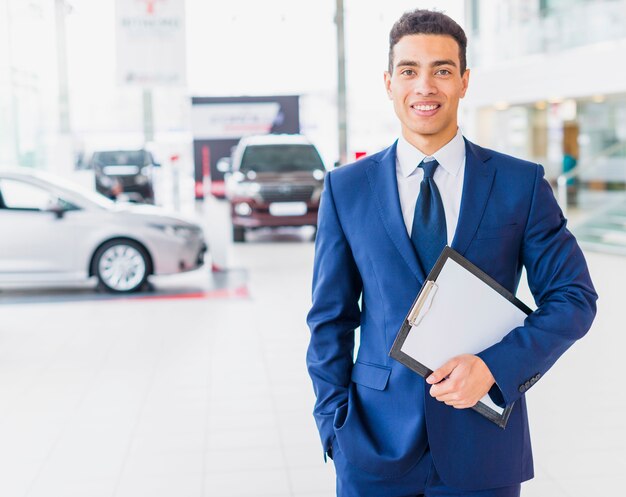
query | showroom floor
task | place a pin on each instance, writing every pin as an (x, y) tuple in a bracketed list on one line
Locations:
[(206, 393)]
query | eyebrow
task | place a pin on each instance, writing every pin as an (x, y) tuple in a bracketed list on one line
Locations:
[(436, 63)]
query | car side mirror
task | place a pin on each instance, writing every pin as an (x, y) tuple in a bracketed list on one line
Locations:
[(224, 165), (57, 209)]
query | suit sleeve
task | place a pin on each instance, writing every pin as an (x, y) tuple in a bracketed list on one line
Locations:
[(559, 280), (333, 317)]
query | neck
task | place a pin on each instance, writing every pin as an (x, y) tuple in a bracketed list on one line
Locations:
[(429, 144)]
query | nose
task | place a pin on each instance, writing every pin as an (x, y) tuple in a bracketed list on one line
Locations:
[(425, 85)]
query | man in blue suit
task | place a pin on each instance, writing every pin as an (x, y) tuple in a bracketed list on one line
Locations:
[(383, 220)]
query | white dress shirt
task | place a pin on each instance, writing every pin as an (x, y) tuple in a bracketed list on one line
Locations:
[(448, 178)]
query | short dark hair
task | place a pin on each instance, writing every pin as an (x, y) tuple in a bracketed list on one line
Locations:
[(427, 22)]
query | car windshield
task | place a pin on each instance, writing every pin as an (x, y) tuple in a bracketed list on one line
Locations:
[(280, 158), (120, 158)]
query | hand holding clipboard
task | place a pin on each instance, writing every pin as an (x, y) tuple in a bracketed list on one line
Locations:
[(459, 310)]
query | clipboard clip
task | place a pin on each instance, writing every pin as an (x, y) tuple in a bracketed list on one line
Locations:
[(423, 303)]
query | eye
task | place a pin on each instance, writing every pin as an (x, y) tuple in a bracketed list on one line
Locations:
[(407, 72), (443, 72)]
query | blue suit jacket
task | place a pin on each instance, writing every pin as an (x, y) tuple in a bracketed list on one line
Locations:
[(367, 275)]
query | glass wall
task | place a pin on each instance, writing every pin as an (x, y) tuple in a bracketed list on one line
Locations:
[(505, 29), (588, 131), (603, 139)]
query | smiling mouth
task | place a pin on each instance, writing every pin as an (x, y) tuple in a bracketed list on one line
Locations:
[(425, 108)]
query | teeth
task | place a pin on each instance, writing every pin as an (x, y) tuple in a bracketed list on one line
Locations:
[(425, 107)]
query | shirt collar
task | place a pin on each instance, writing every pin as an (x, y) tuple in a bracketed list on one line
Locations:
[(450, 156)]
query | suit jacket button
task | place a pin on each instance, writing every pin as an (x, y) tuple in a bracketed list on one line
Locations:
[(537, 376), (527, 385), (522, 388), (533, 380)]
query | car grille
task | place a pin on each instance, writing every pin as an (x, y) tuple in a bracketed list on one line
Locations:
[(127, 180), (287, 193)]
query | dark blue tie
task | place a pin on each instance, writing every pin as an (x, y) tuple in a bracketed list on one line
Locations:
[(429, 233)]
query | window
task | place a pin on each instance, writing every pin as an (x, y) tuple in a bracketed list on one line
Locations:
[(475, 16), (280, 158), (24, 196)]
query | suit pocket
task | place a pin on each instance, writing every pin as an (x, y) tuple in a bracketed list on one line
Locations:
[(486, 232), (370, 375)]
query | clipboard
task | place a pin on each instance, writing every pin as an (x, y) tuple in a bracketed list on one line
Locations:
[(459, 310)]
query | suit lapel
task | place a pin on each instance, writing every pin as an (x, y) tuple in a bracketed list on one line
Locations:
[(384, 184), (477, 184)]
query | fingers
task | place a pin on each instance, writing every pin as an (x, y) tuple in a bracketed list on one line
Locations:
[(455, 400), (461, 405), (442, 372), (449, 389), (466, 382), (449, 397)]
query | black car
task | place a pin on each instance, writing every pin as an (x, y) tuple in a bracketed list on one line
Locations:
[(127, 172)]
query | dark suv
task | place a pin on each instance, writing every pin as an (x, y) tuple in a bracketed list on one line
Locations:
[(127, 172), (274, 180)]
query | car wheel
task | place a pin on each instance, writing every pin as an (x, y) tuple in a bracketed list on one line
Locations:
[(121, 266), (239, 234)]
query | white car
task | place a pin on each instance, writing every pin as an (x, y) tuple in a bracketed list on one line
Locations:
[(55, 231)]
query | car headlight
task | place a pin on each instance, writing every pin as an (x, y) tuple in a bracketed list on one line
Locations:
[(246, 189), (177, 230), (243, 209), (105, 181), (140, 179)]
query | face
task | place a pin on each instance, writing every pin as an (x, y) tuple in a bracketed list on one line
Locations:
[(425, 86)]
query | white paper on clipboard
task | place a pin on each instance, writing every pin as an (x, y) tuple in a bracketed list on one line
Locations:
[(460, 310)]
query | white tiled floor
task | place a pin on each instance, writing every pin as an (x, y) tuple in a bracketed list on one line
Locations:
[(211, 397)]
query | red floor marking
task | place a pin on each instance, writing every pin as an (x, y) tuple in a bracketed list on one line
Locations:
[(242, 292), (224, 293)]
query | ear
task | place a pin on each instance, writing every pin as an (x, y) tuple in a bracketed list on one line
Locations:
[(387, 76), (465, 82)]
